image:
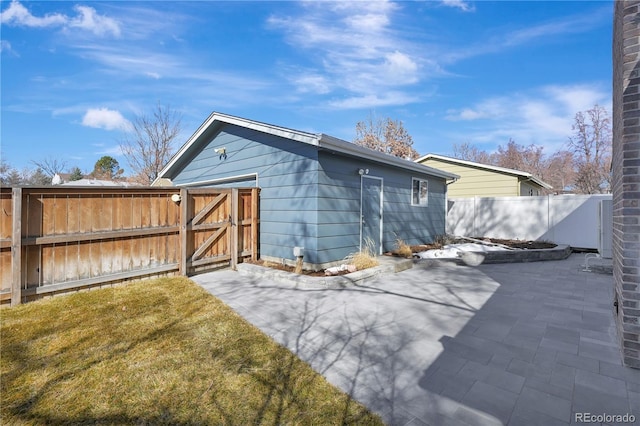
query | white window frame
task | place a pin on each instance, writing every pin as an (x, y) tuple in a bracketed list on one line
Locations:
[(426, 198)]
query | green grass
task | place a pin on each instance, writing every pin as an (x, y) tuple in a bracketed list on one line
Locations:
[(155, 352)]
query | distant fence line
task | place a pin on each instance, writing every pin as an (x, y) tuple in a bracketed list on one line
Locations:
[(563, 219), (57, 239)]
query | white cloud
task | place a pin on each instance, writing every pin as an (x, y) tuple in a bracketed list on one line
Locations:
[(355, 47), (465, 114), (114, 151), (86, 19), (17, 14), (401, 68), (493, 108), (312, 83), (459, 4), (542, 116), (573, 24), (5, 46), (374, 100), (367, 22), (89, 20), (104, 118)]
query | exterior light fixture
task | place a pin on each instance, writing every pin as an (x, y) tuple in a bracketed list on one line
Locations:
[(222, 152), (363, 172)]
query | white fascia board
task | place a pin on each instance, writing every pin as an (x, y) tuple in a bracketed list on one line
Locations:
[(344, 147), (296, 135), (424, 157)]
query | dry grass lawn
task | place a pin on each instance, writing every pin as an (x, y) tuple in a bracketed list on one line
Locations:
[(155, 352)]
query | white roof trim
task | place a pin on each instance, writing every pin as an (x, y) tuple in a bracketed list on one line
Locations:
[(320, 140), (309, 138), (526, 175)]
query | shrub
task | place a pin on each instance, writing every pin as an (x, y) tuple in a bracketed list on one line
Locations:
[(403, 249), (365, 258)]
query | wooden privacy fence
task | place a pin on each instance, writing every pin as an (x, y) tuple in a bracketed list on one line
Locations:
[(60, 238)]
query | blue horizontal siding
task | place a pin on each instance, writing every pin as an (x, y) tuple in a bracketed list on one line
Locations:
[(339, 191), (247, 151), (412, 224), (311, 198), (287, 174)]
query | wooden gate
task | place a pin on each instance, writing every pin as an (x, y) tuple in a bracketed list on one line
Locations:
[(217, 227)]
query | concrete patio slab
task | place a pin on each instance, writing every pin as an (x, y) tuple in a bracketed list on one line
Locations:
[(442, 343)]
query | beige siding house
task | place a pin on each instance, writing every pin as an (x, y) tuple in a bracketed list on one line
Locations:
[(482, 180)]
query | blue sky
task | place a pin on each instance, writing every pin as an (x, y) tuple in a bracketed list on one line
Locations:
[(74, 74)]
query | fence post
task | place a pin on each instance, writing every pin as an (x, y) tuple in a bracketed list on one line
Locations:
[(255, 211), (16, 247), (184, 231), (234, 227)]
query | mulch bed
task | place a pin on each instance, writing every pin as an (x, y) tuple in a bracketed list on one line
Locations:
[(520, 244), (287, 268)]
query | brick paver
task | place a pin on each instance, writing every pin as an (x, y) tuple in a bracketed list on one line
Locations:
[(526, 343)]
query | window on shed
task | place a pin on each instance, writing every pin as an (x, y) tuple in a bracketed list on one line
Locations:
[(419, 192)]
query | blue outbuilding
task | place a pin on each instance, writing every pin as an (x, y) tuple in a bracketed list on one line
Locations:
[(330, 196)]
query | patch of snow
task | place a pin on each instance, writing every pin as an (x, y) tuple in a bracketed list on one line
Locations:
[(454, 251), (337, 269)]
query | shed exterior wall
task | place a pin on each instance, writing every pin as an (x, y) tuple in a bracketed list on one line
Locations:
[(339, 206), (287, 172), (310, 197)]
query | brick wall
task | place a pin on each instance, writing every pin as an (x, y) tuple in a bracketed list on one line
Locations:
[(626, 177)]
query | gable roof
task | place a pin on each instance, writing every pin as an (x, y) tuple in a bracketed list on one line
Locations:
[(504, 170), (320, 140)]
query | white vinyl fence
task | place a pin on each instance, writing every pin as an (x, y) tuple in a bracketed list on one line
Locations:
[(563, 219)]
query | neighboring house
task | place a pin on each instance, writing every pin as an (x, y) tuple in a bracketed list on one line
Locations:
[(318, 192), (482, 180)]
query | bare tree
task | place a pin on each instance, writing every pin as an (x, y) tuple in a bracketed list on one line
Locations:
[(10, 176), (38, 178), (591, 147), (469, 152), (529, 159), (51, 166), (149, 146), (560, 173), (385, 135)]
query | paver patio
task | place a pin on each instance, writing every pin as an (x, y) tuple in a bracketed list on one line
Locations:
[(439, 344)]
